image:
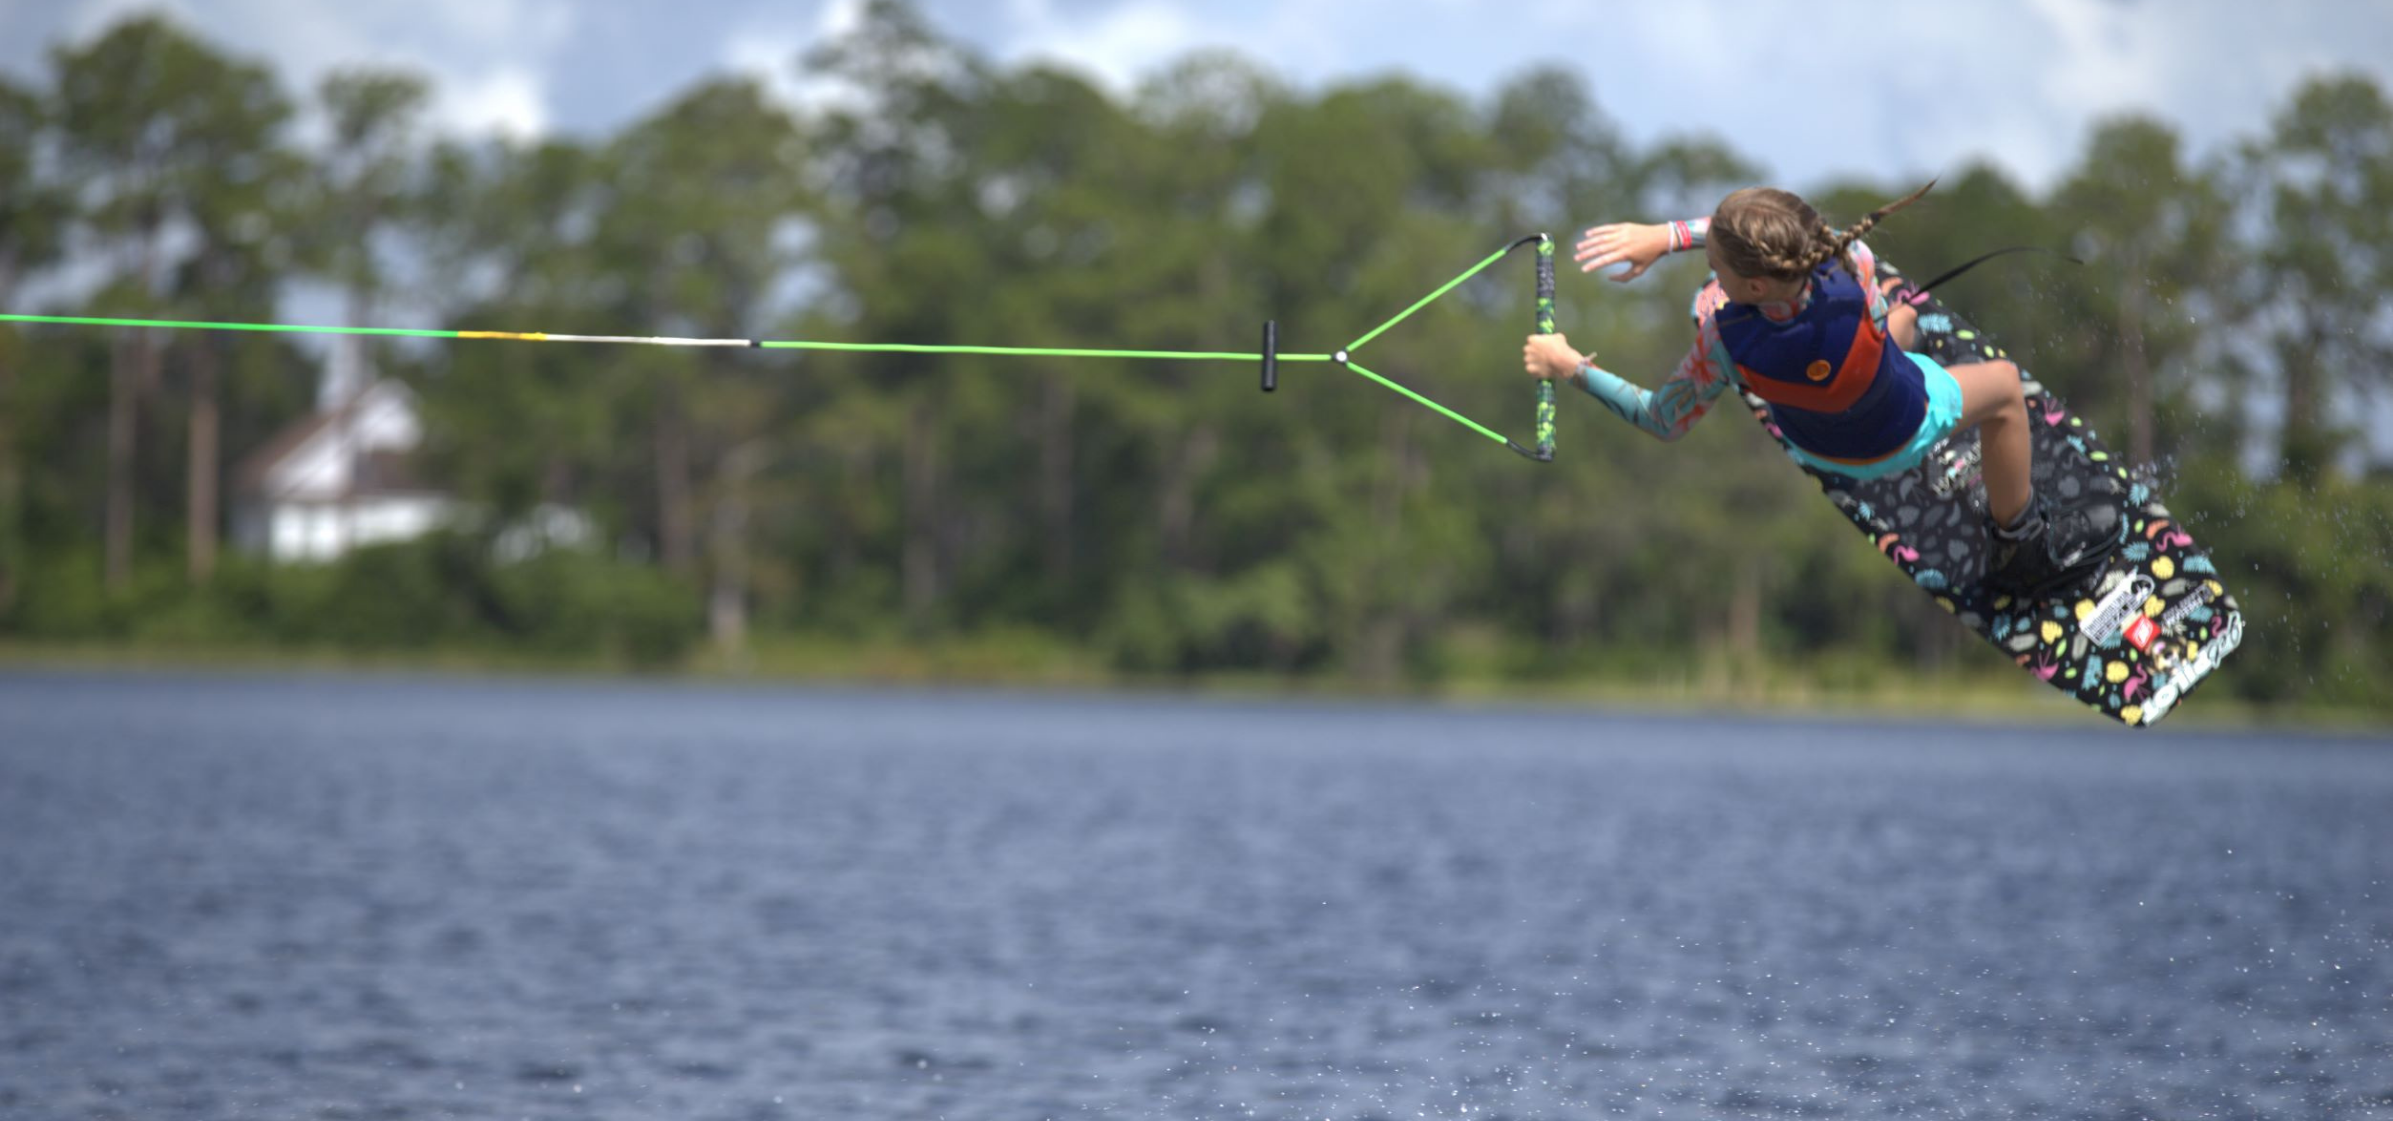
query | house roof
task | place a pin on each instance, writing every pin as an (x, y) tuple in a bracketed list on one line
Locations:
[(376, 471)]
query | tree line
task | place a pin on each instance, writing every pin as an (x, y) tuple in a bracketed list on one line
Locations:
[(2227, 327)]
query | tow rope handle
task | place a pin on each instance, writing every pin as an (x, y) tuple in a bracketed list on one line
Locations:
[(1545, 326)]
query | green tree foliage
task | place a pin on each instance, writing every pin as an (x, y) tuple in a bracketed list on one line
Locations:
[(2324, 177), (2155, 236), (1163, 518), (161, 135), (366, 190), (32, 228)]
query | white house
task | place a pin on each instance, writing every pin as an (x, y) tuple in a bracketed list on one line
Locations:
[(338, 480)]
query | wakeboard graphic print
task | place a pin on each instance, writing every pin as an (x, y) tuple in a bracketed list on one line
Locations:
[(2132, 643)]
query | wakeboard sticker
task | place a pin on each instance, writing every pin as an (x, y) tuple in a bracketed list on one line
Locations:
[(2131, 643)]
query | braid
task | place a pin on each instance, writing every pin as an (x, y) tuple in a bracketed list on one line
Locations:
[(1781, 262), (1828, 243), (1762, 231), (1824, 244)]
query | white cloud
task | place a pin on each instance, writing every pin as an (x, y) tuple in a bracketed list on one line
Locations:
[(769, 52), (1834, 86), (1117, 46), (838, 17), (486, 58), (502, 102), (769, 58), (1131, 39), (2105, 59)]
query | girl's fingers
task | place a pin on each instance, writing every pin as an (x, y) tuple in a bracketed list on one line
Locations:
[(1601, 235), (1602, 251), (1599, 244)]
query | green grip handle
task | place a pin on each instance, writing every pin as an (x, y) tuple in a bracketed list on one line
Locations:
[(1545, 326)]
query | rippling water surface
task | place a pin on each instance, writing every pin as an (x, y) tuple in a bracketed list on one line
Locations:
[(268, 898)]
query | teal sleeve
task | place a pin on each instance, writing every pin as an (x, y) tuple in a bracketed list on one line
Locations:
[(1668, 412), (1628, 401)]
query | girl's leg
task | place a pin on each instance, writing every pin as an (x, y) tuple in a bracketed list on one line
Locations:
[(1992, 400)]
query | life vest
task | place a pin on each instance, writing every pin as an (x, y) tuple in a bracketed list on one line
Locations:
[(1836, 385)]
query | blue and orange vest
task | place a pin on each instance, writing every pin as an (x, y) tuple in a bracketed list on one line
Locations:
[(1837, 386)]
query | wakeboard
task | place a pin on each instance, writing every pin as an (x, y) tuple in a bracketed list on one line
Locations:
[(2131, 643)]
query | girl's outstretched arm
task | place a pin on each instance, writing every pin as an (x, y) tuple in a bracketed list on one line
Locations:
[(1664, 413), (1637, 243)]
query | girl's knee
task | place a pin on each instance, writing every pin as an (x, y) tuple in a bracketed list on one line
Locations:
[(2014, 394), (1991, 391)]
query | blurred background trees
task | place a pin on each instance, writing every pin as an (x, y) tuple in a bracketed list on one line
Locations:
[(2229, 328)]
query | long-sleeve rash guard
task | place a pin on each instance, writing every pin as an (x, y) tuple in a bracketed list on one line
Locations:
[(1707, 370)]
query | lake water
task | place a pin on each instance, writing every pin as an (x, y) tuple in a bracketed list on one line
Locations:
[(418, 898)]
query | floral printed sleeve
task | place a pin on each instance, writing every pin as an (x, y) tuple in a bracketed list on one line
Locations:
[(1668, 412)]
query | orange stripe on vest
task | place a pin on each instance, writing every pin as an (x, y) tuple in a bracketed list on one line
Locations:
[(1853, 378)]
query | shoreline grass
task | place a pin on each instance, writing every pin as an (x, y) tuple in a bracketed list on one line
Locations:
[(1718, 685)]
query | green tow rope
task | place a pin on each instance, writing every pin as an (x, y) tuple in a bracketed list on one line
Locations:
[(1269, 356)]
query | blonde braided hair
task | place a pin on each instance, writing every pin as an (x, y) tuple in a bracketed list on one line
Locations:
[(1763, 231)]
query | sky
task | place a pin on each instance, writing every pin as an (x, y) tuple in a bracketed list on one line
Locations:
[(1873, 87)]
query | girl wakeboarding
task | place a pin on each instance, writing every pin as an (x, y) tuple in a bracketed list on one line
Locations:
[(1802, 323)]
